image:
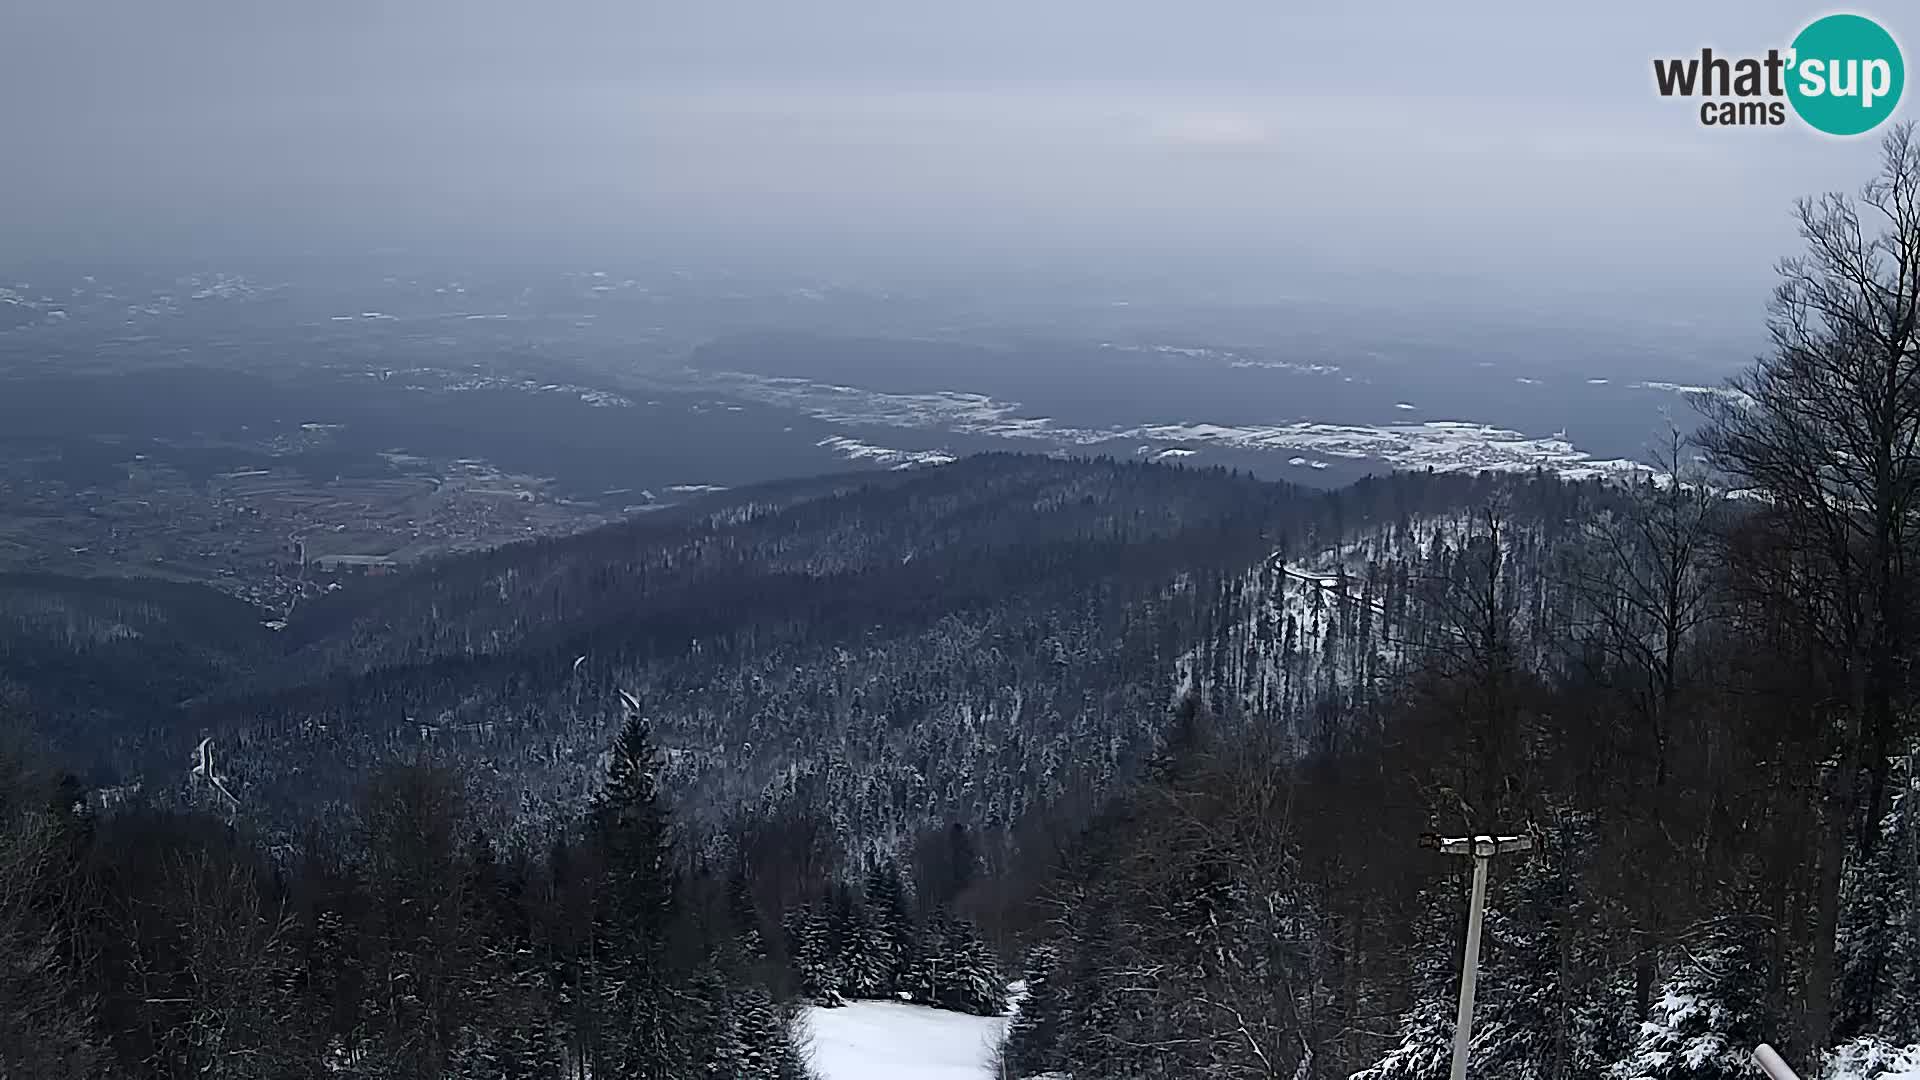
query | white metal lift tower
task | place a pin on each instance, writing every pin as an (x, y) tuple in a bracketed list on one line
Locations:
[(1482, 849)]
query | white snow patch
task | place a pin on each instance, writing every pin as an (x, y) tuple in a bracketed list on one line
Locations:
[(1444, 445), (1524, 381), (886, 1040), (599, 399), (1737, 396), (1869, 1058), (1596, 382), (855, 450), (1283, 365), (218, 286), (1404, 405)]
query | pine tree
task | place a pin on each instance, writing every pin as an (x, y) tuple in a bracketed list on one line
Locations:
[(783, 1059), (1097, 1027), (969, 975), (858, 971), (1425, 1049), (712, 1025), (1879, 993), (867, 955), (636, 914), (744, 918), (1033, 1039), (1516, 1026), (890, 922), (510, 1035), (1709, 1016), (765, 1036), (929, 966), (810, 945)]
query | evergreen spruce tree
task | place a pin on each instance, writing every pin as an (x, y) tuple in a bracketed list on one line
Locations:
[(970, 979), (1425, 1050), (1542, 1013), (785, 1061), (1033, 1039), (1709, 1015), (745, 918), (763, 1035), (637, 1005), (890, 922), (501, 1010), (867, 955), (1517, 1020), (712, 1025), (743, 1034), (1095, 1024), (511, 986), (847, 943), (930, 965), (1879, 992), (810, 945)]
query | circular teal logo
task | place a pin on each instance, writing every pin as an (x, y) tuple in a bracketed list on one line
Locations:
[(1846, 75)]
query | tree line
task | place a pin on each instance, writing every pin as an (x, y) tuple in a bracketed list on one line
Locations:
[(169, 943)]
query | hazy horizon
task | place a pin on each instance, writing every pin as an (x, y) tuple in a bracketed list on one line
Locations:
[(1509, 148)]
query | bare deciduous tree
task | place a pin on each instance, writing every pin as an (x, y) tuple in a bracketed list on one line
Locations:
[(1645, 588), (1826, 428)]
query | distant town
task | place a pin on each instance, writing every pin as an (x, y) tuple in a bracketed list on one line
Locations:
[(268, 535)]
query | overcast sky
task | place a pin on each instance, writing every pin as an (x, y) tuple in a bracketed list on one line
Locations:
[(1518, 140)]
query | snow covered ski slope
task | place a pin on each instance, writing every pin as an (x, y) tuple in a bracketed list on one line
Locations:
[(887, 1040)]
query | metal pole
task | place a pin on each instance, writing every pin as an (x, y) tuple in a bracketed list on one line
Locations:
[(1769, 1061), (1470, 967)]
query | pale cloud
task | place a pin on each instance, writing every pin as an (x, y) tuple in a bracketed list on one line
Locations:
[(1224, 129), (1521, 140)]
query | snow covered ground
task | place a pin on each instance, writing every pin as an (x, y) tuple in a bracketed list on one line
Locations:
[(1869, 1058), (887, 1040), (1444, 445)]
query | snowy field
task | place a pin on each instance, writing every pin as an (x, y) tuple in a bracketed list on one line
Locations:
[(886, 1040)]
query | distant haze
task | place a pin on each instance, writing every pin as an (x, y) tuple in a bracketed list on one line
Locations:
[(1515, 146)]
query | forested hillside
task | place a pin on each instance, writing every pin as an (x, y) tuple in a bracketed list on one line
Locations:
[(406, 942), (883, 708), (105, 664), (872, 699)]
